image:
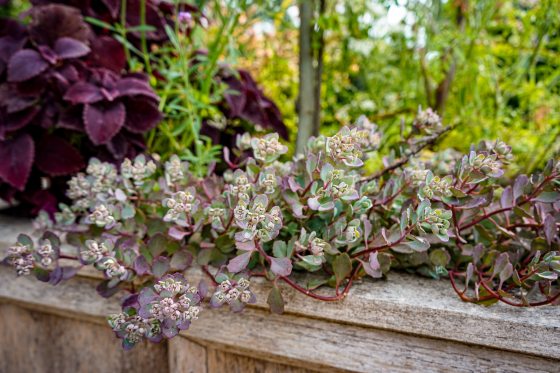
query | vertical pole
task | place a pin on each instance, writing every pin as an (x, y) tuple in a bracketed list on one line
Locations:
[(306, 98)]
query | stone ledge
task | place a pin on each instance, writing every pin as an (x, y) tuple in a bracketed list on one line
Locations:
[(375, 320)]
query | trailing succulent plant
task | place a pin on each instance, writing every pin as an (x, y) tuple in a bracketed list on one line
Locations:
[(61, 103), (449, 216)]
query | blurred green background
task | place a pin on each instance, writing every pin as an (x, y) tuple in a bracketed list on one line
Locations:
[(489, 67), (499, 59)]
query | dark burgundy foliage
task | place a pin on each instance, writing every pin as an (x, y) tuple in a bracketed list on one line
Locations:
[(65, 96), (245, 102)]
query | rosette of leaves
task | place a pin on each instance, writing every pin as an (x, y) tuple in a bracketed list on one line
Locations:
[(59, 105), (495, 239)]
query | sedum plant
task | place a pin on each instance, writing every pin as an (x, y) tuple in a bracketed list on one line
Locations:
[(143, 225)]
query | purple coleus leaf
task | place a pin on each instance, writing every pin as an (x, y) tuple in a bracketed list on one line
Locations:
[(57, 157), (141, 114), (132, 86), (67, 48), (108, 53), (83, 93), (281, 266), (240, 262), (103, 121), (52, 22), (25, 65), (16, 159)]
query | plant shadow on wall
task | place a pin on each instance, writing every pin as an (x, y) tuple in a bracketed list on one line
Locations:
[(81, 79), (454, 216)]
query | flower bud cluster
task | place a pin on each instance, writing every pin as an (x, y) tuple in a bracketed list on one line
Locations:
[(94, 251), (181, 205), (501, 150), (256, 221), (171, 301), (267, 149), (243, 142), (438, 219), (346, 146), (138, 171), (83, 188), (416, 175), (428, 121), (65, 215), (103, 176), (132, 329), (101, 216), (112, 267), (240, 185), (233, 292), (21, 258), (367, 133), (215, 214), (438, 187), (268, 181), (46, 254), (178, 311), (488, 165), (174, 170)]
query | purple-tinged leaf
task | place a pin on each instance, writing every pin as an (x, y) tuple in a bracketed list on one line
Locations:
[(135, 87), (275, 301), (177, 233), (313, 203), (500, 263), (141, 115), (40, 274), (181, 260), (184, 325), (202, 289), (67, 48), (505, 273), (506, 199), (108, 53), (25, 65), (57, 157), (281, 266), (169, 331), (147, 295), (130, 300), (246, 246), (160, 266), (141, 265), (103, 121), (549, 227), (16, 158), (519, 186), (342, 266), (548, 197), (374, 266), (11, 122), (294, 186), (106, 290), (54, 21), (83, 93), (240, 262), (472, 203)]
